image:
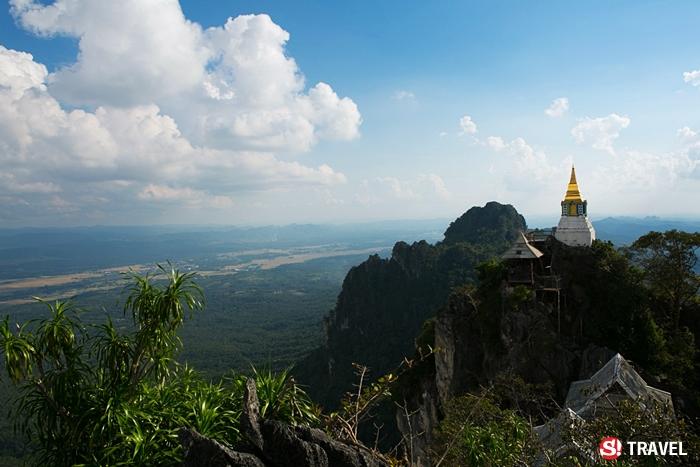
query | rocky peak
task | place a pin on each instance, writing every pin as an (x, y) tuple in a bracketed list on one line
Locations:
[(495, 223)]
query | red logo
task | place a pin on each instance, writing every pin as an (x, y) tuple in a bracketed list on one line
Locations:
[(610, 448)]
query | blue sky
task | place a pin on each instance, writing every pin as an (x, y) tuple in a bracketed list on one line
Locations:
[(168, 116)]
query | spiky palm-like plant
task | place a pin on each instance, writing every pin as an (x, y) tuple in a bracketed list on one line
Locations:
[(104, 396)]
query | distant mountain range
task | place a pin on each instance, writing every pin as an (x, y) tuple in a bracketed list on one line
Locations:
[(625, 230), (28, 252)]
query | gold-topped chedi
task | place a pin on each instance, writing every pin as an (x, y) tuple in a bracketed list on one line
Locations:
[(572, 193), (573, 204), (574, 228)]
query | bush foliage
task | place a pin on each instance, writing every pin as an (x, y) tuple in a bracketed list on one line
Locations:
[(100, 395)]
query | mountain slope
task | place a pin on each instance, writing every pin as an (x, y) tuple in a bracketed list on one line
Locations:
[(384, 302)]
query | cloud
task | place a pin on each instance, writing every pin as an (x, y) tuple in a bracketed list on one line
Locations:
[(424, 187), (334, 117), (397, 188), (231, 86), (467, 125), (156, 109), (692, 77), (600, 132), (193, 198), (495, 142), (403, 95), (558, 107), (523, 167), (112, 156), (435, 184), (268, 108), (129, 52), (637, 171), (628, 177), (686, 135), (11, 184), (19, 72)]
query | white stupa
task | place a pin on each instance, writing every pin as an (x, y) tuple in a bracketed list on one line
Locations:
[(574, 228)]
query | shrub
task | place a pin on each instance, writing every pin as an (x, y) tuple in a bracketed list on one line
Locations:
[(105, 396)]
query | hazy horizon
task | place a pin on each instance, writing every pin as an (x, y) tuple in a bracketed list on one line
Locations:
[(532, 221)]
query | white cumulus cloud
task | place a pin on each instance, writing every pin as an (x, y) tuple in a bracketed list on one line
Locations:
[(558, 107), (692, 77), (600, 133), (686, 135), (116, 154), (157, 109), (523, 167), (231, 86), (467, 125), (130, 52), (495, 142), (640, 171)]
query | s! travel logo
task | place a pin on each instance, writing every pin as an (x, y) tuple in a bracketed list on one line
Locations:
[(610, 448)]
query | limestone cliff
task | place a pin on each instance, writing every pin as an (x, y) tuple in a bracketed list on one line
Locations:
[(522, 333), (384, 301)]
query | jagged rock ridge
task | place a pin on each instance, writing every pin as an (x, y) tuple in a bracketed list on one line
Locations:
[(384, 302)]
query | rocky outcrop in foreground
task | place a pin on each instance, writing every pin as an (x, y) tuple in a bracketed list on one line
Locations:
[(270, 443)]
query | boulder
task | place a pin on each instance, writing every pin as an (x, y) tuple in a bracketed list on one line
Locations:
[(283, 448), (204, 452), (340, 454)]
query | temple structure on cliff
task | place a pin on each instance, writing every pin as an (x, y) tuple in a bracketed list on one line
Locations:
[(574, 228), (529, 260), (523, 262)]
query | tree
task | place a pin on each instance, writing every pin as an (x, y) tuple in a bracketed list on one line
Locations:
[(669, 260), (104, 396), (631, 420), (477, 432)]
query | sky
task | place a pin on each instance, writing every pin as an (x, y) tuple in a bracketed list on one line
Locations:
[(272, 112)]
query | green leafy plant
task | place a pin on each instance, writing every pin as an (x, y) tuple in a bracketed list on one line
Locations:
[(668, 260), (101, 395), (632, 420), (477, 432), (281, 398)]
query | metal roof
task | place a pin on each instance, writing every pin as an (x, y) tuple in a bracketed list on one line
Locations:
[(615, 381), (551, 433), (616, 378), (522, 249)]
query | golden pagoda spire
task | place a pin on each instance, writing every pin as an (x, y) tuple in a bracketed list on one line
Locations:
[(572, 193)]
